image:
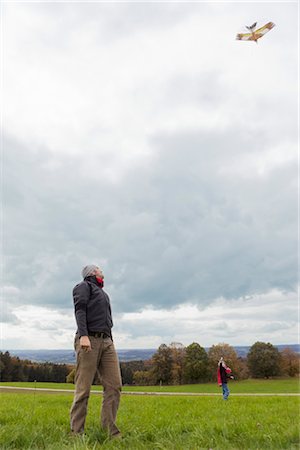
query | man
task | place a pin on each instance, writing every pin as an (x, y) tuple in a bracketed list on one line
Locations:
[(95, 352)]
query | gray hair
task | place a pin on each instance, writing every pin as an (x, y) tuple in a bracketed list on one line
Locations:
[(88, 270)]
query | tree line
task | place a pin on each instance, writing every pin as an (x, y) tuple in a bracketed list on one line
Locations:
[(13, 368), (171, 364), (176, 364)]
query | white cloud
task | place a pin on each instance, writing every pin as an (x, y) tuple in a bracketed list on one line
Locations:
[(38, 328), (238, 322), (146, 139), (269, 317), (77, 84)]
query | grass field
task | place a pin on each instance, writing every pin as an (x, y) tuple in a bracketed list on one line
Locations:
[(288, 385), (41, 421)]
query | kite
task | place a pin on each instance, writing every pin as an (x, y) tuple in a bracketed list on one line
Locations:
[(254, 34)]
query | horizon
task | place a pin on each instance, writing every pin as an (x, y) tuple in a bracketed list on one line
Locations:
[(145, 348)]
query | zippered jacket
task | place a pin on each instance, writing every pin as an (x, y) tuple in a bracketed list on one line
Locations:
[(92, 308)]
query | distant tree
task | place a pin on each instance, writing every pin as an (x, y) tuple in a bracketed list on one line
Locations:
[(17, 372), (128, 368), (126, 374), (289, 363), (42, 372), (243, 371), (13, 368), (31, 372), (230, 356), (7, 366), (143, 378), (196, 368), (162, 365), (1, 368), (263, 360), (177, 355), (59, 373)]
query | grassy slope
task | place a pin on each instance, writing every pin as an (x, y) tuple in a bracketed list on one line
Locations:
[(289, 385), (35, 421)]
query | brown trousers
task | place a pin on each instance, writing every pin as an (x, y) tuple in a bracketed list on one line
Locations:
[(103, 360)]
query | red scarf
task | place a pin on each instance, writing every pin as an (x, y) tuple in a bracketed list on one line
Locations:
[(100, 281)]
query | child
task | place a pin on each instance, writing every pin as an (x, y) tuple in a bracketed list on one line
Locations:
[(224, 373)]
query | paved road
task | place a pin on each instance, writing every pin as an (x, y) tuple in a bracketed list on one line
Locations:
[(190, 394)]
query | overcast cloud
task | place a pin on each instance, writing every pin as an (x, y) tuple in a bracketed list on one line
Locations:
[(143, 138)]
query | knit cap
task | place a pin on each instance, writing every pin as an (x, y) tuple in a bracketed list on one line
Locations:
[(88, 270)]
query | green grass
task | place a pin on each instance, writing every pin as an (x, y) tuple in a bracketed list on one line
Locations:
[(288, 385), (41, 421)]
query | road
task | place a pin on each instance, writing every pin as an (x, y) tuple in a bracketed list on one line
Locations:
[(186, 394)]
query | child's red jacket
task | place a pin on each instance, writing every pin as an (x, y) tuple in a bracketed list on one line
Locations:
[(223, 374)]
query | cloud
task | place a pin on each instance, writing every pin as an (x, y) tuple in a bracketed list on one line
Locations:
[(87, 85), (40, 327), (8, 298), (186, 234), (145, 139), (238, 322)]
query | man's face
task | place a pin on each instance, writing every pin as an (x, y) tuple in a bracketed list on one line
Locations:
[(98, 272)]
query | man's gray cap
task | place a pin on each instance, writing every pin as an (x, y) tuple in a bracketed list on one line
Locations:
[(88, 270)]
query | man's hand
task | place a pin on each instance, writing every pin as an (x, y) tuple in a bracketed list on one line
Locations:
[(85, 343)]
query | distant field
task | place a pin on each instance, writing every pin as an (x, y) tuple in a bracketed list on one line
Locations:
[(288, 385), (32, 421)]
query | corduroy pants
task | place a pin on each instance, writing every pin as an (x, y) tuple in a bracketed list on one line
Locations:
[(102, 359)]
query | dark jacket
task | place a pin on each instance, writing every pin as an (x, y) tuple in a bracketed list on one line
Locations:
[(92, 308)]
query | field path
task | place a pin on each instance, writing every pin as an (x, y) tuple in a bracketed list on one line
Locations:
[(190, 394)]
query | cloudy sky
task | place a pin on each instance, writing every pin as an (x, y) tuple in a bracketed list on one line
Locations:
[(142, 137)]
